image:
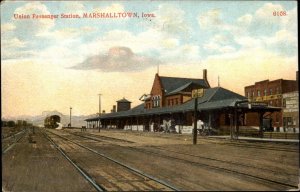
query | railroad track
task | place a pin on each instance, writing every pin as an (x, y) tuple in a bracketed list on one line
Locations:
[(222, 165), (236, 143), (12, 135), (10, 141), (252, 145), (146, 181)]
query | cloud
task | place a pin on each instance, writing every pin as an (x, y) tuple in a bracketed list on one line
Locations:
[(264, 22), (265, 13), (29, 28), (115, 7), (210, 19), (220, 43), (9, 54), (248, 42), (74, 7), (12, 43), (283, 42), (151, 43), (260, 30), (171, 20), (66, 33), (245, 20), (6, 27), (290, 22), (213, 46), (117, 59)]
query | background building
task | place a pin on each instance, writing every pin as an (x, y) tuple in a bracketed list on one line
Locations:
[(291, 111), (270, 92)]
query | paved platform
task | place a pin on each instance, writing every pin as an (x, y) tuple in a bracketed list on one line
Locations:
[(258, 139)]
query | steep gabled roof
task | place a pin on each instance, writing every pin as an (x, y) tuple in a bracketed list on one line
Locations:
[(180, 88), (223, 94), (172, 83)]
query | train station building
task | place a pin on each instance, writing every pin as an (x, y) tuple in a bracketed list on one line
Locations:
[(171, 104)]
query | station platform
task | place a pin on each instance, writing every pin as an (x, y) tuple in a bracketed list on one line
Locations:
[(258, 139)]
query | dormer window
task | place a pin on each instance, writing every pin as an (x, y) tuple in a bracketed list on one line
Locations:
[(156, 101)]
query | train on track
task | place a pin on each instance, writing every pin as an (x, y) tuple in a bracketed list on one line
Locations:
[(52, 121)]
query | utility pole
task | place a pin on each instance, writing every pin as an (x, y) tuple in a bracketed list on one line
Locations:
[(99, 104), (195, 121), (99, 110), (70, 116)]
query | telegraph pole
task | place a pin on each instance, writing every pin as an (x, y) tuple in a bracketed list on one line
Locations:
[(99, 110), (195, 121), (99, 104), (70, 116)]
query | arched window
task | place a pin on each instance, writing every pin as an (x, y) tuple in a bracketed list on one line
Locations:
[(156, 101)]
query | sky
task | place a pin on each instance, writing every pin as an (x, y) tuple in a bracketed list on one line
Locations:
[(54, 64)]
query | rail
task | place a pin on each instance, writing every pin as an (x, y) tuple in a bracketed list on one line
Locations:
[(122, 164), (203, 164), (15, 141), (81, 171)]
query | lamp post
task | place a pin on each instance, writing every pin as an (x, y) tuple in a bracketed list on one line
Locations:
[(70, 116)]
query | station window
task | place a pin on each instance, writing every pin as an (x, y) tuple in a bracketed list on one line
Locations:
[(258, 93), (156, 101), (265, 92), (271, 92)]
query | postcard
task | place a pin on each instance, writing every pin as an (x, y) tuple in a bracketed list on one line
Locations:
[(167, 70)]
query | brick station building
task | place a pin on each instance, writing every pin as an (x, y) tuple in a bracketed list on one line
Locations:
[(271, 93), (170, 107)]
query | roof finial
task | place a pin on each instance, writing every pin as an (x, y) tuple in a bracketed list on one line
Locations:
[(218, 81), (158, 68)]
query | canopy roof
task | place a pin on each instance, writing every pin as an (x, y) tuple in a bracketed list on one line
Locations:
[(213, 99)]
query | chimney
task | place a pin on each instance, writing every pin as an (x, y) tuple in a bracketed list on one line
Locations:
[(205, 78), (103, 112), (114, 109), (205, 74)]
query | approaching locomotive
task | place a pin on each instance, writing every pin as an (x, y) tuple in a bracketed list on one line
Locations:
[(52, 121)]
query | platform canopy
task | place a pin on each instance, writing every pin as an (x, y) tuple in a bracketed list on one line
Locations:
[(216, 98)]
